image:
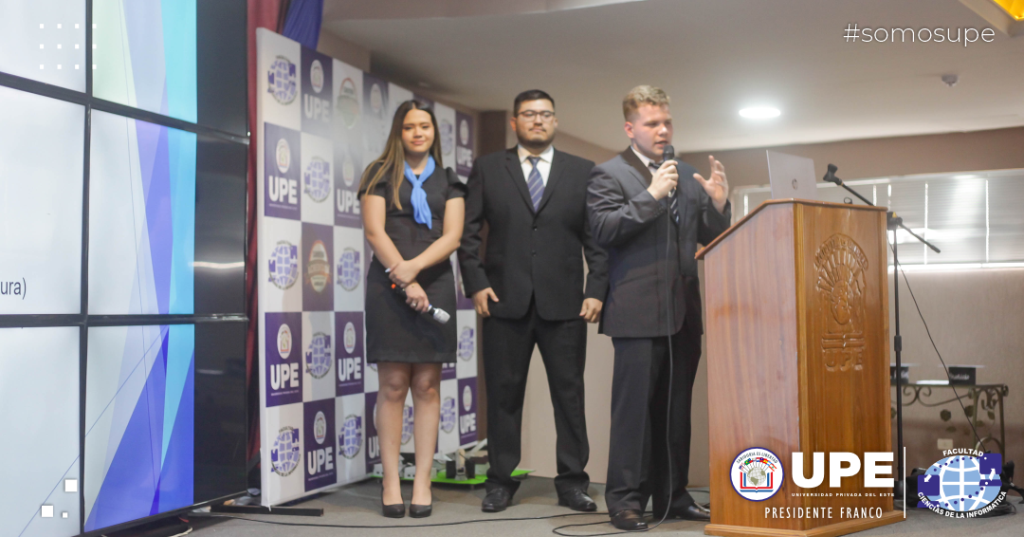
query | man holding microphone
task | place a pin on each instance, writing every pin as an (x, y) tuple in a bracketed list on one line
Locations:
[(650, 212)]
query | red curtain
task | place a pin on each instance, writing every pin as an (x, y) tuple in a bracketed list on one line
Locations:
[(261, 14)]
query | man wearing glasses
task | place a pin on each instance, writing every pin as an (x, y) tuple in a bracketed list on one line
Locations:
[(529, 289)]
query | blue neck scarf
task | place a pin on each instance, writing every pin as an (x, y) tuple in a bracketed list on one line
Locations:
[(420, 208)]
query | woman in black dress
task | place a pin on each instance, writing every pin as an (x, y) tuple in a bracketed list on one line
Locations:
[(413, 211)]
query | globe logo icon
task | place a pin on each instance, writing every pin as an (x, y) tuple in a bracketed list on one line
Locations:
[(756, 474), (448, 414), (349, 269), (316, 180), (319, 267), (284, 265), (466, 344), (281, 80), (318, 356), (284, 454), (316, 76), (467, 399), (961, 483), (407, 424), (350, 437)]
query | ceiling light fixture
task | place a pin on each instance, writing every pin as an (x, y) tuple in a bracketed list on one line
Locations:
[(760, 112)]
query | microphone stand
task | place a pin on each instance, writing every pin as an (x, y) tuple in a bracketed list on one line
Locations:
[(893, 223)]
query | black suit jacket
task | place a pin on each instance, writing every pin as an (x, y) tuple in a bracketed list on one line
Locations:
[(531, 255), (644, 273)]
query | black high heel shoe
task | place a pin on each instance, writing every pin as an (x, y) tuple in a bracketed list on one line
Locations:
[(391, 511), (421, 511)]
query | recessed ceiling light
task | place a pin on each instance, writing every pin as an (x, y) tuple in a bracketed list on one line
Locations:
[(760, 112)]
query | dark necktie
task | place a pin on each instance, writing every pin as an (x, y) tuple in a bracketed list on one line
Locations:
[(674, 203), (535, 183)]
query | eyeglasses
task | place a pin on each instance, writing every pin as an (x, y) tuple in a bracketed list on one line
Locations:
[(546, 115)]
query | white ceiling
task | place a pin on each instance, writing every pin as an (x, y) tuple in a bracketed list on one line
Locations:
[(712, 57)]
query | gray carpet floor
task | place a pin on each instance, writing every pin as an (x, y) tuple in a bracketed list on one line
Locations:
[(359, 504)]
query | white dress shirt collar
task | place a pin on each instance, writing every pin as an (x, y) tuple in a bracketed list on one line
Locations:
[(643, 158), (545, 156)]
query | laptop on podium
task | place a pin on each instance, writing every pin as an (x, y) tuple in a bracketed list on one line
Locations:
[(791, 176)]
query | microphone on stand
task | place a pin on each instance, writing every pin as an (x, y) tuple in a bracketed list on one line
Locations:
[(437, 314)]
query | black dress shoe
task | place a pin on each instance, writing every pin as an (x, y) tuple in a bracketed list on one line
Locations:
[(391, 511), (420, 511), (577, 500), (691, 512), (496, 500), (629, 520)]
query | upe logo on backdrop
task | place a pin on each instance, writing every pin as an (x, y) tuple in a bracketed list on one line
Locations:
[(448, 414), (466, 343), (284, 341), (283, 155), (281, 189), (284, 455), (314, 107), (282, 80), (407, 424), (756, 474), (962, 486), (350, 338), (284, 265), (349, 270), (320, 459), (316, 180), (350, 439), (318, 269), (348, 102), (318, 356)]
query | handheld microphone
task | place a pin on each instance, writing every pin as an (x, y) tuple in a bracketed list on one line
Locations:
[(438, 314), (669, 153)]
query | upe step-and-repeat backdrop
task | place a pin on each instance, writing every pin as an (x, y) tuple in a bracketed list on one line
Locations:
[(320, 122)]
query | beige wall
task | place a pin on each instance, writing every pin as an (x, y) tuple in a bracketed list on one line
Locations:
[(975, 317)]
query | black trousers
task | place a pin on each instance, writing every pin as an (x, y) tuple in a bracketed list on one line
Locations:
[(508, 345), (638, 460)]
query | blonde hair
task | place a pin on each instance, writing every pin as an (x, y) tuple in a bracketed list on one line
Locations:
[(641, 95)]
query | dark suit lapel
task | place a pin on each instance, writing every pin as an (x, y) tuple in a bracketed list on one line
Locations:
[(515, 170), (557, 168), (643, 173)]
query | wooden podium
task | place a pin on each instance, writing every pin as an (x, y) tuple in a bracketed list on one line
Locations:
[(797, 324)]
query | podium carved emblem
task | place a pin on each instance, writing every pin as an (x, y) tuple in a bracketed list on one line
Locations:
[(840, 265)]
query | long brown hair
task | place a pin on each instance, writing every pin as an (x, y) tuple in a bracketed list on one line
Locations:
[(391, 163)]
